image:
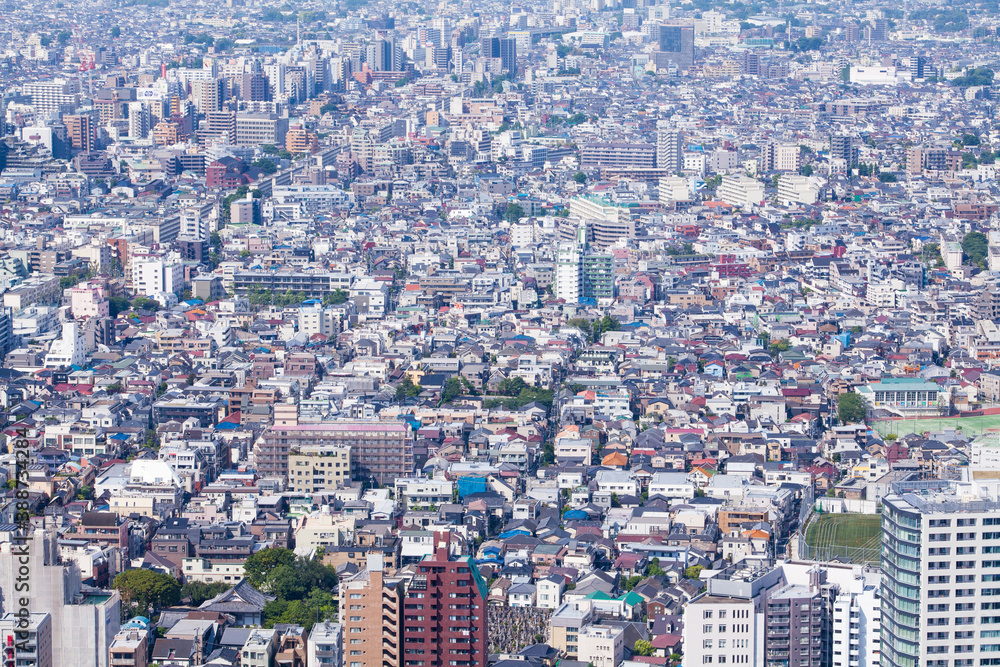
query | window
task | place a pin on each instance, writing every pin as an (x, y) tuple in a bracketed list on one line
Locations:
[(707, 628), (707, 613), (706, 643)]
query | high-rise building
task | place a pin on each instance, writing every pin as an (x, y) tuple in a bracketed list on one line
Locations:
[(940, 549), (80, 132), (569, 272), (379, 55), (209, 94), (445, 612), (255, 87), (919, 67), (222, 125), (598, 273), (669, 147), (677, 43), (842, 146), (751, 63), (139, 119), (618, 154), (371, 616)]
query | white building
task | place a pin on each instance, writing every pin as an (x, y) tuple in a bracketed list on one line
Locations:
[(602, 645), (569, 273), (740, 190), (795, 189), (69, 349), (324, 648), (671, 485), (156, 277)]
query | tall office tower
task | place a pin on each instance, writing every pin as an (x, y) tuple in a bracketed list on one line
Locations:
[(751, 63), (852, 33), (504, 48), (676, 42), (80, 131), (371, 615), (918, 67), (139, 120), (669, 147), (842, 146), (940, 569), (445, 608), (508, 55)]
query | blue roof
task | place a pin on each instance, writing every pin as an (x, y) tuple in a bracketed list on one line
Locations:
[(120, 436)]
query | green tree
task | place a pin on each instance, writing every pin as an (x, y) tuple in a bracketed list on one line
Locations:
[(452, 390), (116, 32), (643, 648), (265, 165), (406, 389), (147, 589), (199, 591), (615, 501), (338, 296), (851, 408), (693, 572), (606, 323), (143, 303), (260, 564), (975, 245), (244, 253), (514, 213), (779, 346), (580, 177)]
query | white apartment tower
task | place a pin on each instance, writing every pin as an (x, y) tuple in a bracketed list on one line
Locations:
[(941, 573)]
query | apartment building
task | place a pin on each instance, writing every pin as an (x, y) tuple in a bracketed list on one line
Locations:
[(319, 467), (941, 567), (380, 450), (445, 612), (370, 613)]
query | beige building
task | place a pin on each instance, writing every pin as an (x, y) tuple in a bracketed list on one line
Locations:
[(322, 529), (315, 468), (370, 606), (130, 648)]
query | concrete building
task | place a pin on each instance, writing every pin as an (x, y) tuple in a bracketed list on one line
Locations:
[(742, 191), (602, 645), (381, 450), (130, 648), (319, 467), (796, 189), (371, 615), (324, 649), (69, 349), (27, 645), (937, 595), (83, 620), (453, 595)]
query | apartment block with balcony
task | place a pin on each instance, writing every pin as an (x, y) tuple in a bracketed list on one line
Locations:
[(371, 615)]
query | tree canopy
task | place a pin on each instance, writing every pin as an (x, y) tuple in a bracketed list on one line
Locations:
[(147, 589), (850, 408)]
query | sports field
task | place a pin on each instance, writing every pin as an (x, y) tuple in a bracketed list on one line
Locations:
[(856, 537), (969, 426)]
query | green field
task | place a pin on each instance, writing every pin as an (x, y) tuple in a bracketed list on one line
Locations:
[(969, 426), (856, 537)]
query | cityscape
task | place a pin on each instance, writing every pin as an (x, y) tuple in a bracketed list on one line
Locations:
[(583, 333)]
